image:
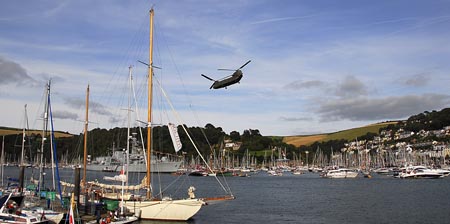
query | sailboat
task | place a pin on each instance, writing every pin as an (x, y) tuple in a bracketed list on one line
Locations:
[(161, 209), (50, 215), (166, 208), (10, 211)]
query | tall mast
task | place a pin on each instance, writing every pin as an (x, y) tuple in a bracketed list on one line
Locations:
[(149, 115), (3, 158), (128, 126), (85, 135), (44, 131), (23, 138)]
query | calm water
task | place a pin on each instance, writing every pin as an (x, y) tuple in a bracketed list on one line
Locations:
[(310, 199)]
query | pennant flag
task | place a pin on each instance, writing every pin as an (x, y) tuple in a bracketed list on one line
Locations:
[(175, 137)]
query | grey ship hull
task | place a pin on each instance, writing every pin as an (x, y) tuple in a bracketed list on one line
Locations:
[(156, 167)]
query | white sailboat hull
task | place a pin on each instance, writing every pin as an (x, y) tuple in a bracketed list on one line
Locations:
[(174, 210)]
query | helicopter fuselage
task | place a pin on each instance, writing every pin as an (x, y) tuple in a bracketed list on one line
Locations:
[(230, 80)]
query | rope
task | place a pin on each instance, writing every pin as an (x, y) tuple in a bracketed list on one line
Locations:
[(187, 133)]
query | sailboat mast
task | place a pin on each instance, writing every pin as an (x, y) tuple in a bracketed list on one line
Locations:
[(3, 158), (128, 125), (23, 138), (85, 135), (44, 131), (149, 115)]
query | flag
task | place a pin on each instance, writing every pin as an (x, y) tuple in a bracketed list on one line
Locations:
[(71, 217), (175, 138)]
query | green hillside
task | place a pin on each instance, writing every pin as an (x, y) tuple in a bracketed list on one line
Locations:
[(349, 134), (14, 131)]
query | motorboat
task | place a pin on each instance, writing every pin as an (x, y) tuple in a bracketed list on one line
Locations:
[(382, 171), (420, 172), (340, 173)]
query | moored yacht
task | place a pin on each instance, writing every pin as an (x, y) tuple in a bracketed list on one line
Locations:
[(420, 172), (340, 173)]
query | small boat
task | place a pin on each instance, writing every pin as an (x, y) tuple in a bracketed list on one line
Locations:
[(52, 216), (366, 173), (118, 220), (340, 173), (108, 169), (198, 173), (382, 171), (10, 211), (275, 173), (297, 172)]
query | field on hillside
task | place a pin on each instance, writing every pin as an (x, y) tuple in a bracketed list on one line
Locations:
[(12, 131), (304, 140), (349, 134)]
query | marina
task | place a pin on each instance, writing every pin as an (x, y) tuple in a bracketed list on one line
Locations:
[(308, 198)]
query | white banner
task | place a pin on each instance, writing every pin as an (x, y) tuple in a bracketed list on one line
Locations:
[(175, 138)]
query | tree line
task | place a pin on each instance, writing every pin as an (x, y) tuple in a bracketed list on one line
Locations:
[(208, 138)]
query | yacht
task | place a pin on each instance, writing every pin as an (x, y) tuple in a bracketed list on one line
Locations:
[(420, 172), (340, 173)]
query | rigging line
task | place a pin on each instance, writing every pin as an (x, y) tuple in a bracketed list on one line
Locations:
[(180, 78), (138, 118), (162, 106), (38, 116), (185, 89), (162, 190), (124, 60), (55, 154), (187, 133), (134, 46)]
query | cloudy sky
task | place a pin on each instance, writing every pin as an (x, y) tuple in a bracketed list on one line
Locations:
[(317, 66)]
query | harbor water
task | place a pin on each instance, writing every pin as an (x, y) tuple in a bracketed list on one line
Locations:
[(308, 198)]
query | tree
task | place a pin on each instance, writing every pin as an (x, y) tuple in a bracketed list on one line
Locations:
[(235, 136)]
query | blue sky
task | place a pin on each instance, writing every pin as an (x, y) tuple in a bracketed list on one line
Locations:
[(317, 66)]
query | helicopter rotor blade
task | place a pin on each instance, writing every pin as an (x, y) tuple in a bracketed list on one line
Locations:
[(244, 64), (226, 69), (208, 78)]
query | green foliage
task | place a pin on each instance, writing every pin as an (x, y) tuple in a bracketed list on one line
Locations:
[(235, 136), (428, 121), (100, 141)]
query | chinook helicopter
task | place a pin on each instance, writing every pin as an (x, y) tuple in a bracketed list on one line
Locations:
[(229, 80)]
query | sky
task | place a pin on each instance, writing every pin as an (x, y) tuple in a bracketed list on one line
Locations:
[(316, 66)]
